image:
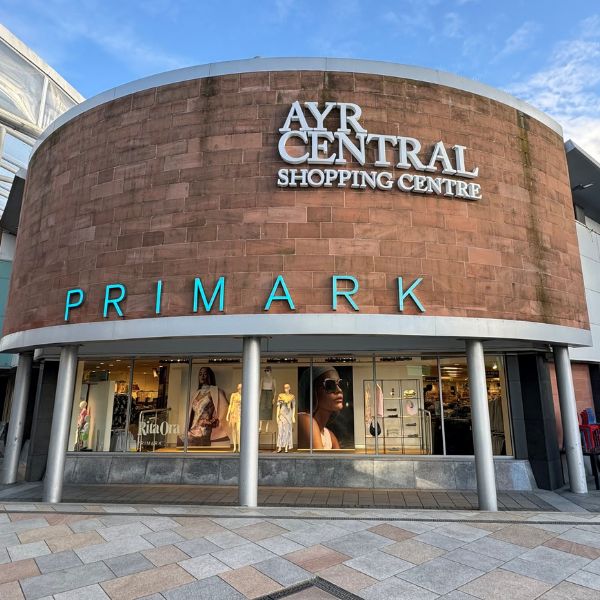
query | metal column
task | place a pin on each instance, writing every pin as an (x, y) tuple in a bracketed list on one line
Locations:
[(570, 422), (249, 422), (16, 422), (480, 421), (59, 434)]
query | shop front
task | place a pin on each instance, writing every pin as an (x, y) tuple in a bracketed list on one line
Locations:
[(303, 273)]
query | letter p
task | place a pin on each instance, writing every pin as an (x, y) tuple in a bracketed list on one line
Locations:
[(70, 303)]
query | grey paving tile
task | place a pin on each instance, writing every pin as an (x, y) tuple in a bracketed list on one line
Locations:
[(65, 580), (86, 525), (163, 538), (212, 588), (89, 592), (128, 564), (240, 556), (358, 543), (26, 524), (440, 575), (283, 571), (58, 561), (310, 536), (4, 556), (24, 551), (460, 531), (159, 523), (8, 539), (472, 559), (197, 547), (593, 567), (396, 589), (586, 579), (279, 545), (412, 526), (379, 565), (456, 595), (121, 531), (233, 523), (570, 591), (203, 566), (439, 540), (226, 539), (504, 585), (495, 548), (120, 547), (546, 564)]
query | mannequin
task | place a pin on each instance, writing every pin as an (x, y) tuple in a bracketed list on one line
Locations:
[(268, 385), (83, 426), (286, 417), (233, 416)]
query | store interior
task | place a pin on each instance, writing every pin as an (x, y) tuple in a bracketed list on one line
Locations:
[(373, 405)]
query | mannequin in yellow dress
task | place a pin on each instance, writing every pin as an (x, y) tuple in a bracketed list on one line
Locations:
[(233, 416), (286, 417)]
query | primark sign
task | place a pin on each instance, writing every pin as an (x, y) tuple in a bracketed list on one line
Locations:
[(327, 153)]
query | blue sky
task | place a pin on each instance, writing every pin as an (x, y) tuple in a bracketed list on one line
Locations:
[(544, 51)]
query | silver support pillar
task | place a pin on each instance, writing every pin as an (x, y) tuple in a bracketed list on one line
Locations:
[(249, 422), (61, 419), (16, 421), (570, 422), (480, 421)]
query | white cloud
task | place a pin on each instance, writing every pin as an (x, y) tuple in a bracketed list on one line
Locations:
[(453, 25), (568, 89), (89, 21), (521, 39)]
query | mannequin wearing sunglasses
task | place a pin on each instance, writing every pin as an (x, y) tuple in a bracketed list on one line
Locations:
[(328, 400)]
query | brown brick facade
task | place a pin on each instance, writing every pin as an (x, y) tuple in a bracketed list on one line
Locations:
[(179, 182)]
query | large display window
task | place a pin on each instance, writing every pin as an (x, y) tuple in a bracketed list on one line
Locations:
[(375, 405)]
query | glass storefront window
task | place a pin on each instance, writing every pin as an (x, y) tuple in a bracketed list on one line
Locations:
[(412, 405), (159, 391)]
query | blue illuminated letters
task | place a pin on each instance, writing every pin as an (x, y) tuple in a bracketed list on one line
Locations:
[(114, 301), (344, 287), (280, 281), (346, 293), (402, 295), (219, 289), (69, 304)]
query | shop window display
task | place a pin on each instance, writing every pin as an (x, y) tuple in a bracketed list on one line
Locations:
[(375, 405)]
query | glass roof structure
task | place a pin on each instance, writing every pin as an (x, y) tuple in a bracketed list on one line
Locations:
[(32, 95)]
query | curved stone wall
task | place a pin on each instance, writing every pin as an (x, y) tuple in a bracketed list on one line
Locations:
[(180, 181)]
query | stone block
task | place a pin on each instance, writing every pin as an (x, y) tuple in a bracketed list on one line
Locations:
[(435, 474), (394, 473), (229, 471), (514, 475), (314, 472), (200, 471), (276, 471), (352, 473), (164, 470), (127, 469), (92, 469), (465, 475)]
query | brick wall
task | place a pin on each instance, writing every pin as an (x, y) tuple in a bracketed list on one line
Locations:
[(179, 181)]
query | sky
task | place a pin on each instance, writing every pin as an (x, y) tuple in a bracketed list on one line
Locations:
[(546, 52)]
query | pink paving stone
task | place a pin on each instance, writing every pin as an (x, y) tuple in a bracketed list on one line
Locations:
[(250, 582), (316, 558)]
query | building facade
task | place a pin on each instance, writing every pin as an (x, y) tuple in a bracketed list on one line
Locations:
[(382, 257)]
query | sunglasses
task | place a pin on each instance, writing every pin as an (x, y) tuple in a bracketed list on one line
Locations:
[(332, 385)]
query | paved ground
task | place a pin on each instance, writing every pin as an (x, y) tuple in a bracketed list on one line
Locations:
[(93, 551), (274, 496)]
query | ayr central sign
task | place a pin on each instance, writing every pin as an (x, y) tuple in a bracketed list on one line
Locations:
[(321, 149)]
